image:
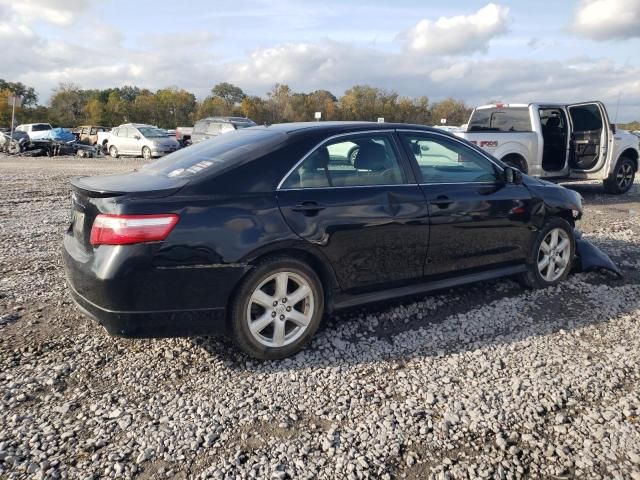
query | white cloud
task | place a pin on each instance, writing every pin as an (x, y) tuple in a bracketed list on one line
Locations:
[(57, 12), (459, 34), (608, 19)]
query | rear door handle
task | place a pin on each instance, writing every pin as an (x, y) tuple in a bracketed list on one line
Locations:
[(441, 201), (308, 208)]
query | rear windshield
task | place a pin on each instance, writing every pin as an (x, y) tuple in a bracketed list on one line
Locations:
[(40, 127), (500, 120), (217, 154)]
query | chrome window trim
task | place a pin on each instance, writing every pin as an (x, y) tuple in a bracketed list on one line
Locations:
[(328, 139), (458, 183), (455, 139), (350, 186)]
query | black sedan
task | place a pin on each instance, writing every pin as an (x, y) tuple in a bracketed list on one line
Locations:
[(259, 232)]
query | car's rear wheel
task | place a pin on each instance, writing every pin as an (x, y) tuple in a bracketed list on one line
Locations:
[(621, 179), (551, 256), (113, 151), (277, 309), (146, 153)]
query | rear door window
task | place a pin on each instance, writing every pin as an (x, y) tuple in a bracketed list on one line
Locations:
[(349, 162), (514, 119), (213, 128)]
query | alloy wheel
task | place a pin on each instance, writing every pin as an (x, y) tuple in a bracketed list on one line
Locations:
[(280, 309), (624, 177), (146, 153), (554, 254)]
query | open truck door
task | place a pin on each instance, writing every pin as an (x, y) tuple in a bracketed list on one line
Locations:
[(589, 137)]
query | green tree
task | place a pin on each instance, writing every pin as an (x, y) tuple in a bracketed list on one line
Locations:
[(67, 105), (229, 93)]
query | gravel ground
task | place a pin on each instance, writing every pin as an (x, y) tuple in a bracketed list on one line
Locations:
[(485, 381)]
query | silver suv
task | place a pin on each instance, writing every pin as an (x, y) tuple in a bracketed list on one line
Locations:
[(213, 126), (140, 139)]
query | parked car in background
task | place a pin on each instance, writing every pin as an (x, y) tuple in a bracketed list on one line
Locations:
[(183, 135), (558, 141), (88, 133), (35, 130), (140, 140), (214, 126), (258, 232)]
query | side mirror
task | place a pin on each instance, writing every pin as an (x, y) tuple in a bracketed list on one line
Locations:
[(137, 137), (613, 128), (512, 175)]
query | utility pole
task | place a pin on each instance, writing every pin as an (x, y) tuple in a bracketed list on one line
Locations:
[(13, 101)]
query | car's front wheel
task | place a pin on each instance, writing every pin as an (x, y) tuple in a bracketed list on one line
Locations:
[(113, 151), (552, 255), (146, 153), (277, 309)]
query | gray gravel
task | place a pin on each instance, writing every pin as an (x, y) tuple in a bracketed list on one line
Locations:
[(485, 381)]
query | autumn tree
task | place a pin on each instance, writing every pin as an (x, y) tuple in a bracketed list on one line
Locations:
[(454, 111), (67, 105)]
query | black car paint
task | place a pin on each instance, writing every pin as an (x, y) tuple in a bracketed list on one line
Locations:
[(369, 243)]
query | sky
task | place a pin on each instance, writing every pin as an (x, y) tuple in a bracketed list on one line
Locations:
[(512, 51)]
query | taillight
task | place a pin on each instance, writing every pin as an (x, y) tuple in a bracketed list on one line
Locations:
[(128, 229)]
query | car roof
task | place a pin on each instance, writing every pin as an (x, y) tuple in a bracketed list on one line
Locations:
[(332, 127)]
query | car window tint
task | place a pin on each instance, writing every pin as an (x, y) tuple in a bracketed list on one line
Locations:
[(514, 119), (357, 161), (586, 117), (94, 131), (444, 160)]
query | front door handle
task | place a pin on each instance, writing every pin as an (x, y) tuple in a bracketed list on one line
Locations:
[(308, 208), (441, 201)]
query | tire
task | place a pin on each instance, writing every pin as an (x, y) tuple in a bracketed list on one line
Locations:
[(105, 150), (516, 161), (146, 153), (622, 177), (113, 151), (274, 334), (559, 262)]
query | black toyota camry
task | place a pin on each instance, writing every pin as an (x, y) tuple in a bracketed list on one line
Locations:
[(260, 232)]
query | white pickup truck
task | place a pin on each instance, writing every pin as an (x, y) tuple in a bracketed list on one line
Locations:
[(557, 141)]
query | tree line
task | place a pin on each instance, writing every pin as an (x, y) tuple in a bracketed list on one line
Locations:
[(71, 105)]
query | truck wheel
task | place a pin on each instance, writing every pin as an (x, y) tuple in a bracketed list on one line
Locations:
[(621, 179), (105, 150), (516, 161)]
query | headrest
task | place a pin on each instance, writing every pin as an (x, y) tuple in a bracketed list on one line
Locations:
[(371, 156), (317, 160), (553, 122)]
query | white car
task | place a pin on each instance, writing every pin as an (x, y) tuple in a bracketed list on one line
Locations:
[(138, 139), (36, 131), (557, 141)]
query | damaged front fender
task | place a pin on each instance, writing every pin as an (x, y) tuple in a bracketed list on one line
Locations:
[(589, 257)]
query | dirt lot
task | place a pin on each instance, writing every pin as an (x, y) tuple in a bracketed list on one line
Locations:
[(485, 381)]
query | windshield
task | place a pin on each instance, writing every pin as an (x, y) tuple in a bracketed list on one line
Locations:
[(500, 120), (244, 124), (152, 132), (218, 153), (40, 127)]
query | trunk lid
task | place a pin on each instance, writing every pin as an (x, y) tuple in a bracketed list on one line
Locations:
[(91, 196)]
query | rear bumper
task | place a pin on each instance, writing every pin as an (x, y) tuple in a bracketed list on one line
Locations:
[(125, 291), (154, 324)]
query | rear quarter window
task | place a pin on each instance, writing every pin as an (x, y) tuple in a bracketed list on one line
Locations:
[(218, 154), (500, 120)]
